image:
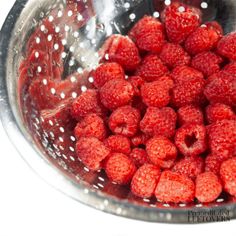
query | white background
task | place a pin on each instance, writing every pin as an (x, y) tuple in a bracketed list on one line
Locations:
[(29, 207)]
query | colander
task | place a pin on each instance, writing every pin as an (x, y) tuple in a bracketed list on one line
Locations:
[(52, 155)]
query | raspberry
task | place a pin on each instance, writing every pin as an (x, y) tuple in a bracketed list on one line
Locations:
[(91, 152), (91, 125), (139, 156), (208, 187), (174, 187), (121, 49), (116, 93), (156, 93), (207, 62), (145, 181), (118, 143), (228, 175), (222, 138), (159, 122), (180, 21), (119, 168), (166, 164), (106, 72), (88, 102), (138, 103), (124, 120), (160, 148), (202, 39), (222, 89), (139, 140), (190, 114), (213, 163), (189, 166), (136, 82), (191, 139), (148, 34), (226, 46), (230, 68), (218, 111), (151, 68), (174, 55), (182, 74), (215, 26), (189, 93)]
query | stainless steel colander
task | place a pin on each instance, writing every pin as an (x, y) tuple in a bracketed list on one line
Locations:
[(53, 155)]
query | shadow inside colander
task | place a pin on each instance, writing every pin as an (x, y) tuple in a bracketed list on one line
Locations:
[(61, 49)]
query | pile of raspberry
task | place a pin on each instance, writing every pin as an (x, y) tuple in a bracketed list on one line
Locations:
[(161, 116)]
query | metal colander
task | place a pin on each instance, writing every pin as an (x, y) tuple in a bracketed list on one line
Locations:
[(48, 145)]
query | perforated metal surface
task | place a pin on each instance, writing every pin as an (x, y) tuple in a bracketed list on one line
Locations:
[(78, 50)]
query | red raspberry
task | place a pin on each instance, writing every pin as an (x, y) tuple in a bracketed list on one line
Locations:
[(190, 114), (136, 82), (215, 26), (91, 152), (189, 93), (218, 111), (191, 139), (157, 93), (106, 72), (166, 164), (139, 156), (116, 93), (119, 168), (145, 181), (228, 175), (138, 103), (230, 68), (148, 34), (207, 62), (226, 47), (125, 120), (226, 73), (222, 138), (221, 88), (118, 143), (174, 55), (139, 140), (202, 39), (121, 49), (189, 166), (91, 125), (151, 68), (213, 163), (208, 187), (88, 102), (174, 187), (183, 74), (159, 122), (180, 21), (160, 148)]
